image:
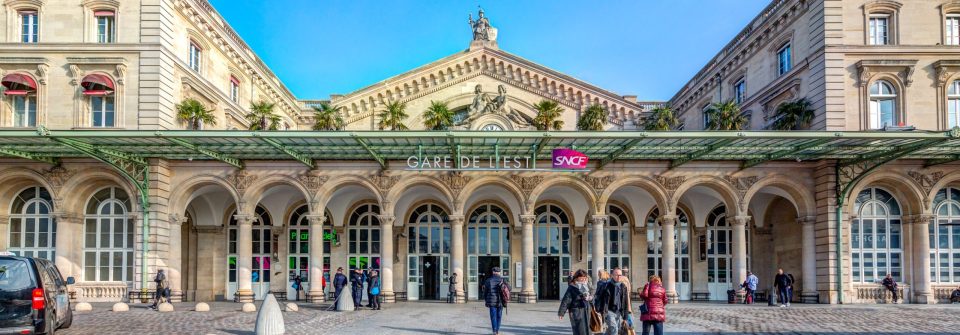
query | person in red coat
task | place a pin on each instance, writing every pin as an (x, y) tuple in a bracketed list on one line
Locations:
[(654, 299)]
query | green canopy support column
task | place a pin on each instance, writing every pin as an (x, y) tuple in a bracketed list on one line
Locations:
[(376, 156), (134, 168), (210, 153), (306, 160), (696, 155), (29, 155)]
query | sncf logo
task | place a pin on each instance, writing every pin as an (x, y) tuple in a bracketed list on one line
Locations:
[(569, 159)]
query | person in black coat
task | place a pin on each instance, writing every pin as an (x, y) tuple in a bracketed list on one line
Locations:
[(492, 290), (955, 296), (890, 284), (782, 282), (576, 303), (356, 286), (339, 282)]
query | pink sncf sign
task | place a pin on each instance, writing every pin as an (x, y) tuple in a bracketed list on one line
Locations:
[(569, 159)]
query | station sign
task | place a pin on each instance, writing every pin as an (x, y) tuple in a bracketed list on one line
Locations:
[(563, 159)]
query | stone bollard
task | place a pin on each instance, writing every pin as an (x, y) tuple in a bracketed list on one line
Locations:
[(202, 307), (83, 307), (345, 300), (269, 319), (248, 307), (120, 307), (165, 307), (292, 307)]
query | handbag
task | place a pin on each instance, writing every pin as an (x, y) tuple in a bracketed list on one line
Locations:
[(644, 309), (375, 291), (625, 328), (596, 321)]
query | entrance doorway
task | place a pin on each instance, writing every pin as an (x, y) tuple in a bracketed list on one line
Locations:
[(549, 277), (485, 267), (429, 268)]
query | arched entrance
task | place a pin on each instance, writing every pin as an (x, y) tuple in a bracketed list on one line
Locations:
[(298, 249), (552, 244), (428, 253), (720, 276), (262, 247), (488, 246), (681, 250)]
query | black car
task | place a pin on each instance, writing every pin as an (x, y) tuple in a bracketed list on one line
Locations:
[(33, 296)]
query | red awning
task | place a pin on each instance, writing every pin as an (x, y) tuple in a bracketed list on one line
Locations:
[(234, 80), (97, 82), (103, 13), (18, 82)]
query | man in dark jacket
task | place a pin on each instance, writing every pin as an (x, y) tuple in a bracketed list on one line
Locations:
[(891, 285), (356, 285), (612, 303), (782, 283), (492, 296), (339, 281), (162, 289), (955, 296)]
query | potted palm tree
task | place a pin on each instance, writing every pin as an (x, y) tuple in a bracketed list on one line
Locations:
[(392, 116), (548, 115), (661, 118), (726, 116), (793, 115), (438, 116), (594, 118), (195, 114), (327, 117), (262, 117)]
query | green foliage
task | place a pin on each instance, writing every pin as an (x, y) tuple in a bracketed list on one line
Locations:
[(194, 113), (548, 115), (594, 118), (661, 118), (793, 115), (438, 116), (327, 117), (726, 116), (262, 116), (392, 116)]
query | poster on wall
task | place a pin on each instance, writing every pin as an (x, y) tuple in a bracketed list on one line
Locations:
[(519, 276)]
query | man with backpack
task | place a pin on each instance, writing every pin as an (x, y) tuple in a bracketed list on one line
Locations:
[(163, 289), (496, 294), (612, 302)]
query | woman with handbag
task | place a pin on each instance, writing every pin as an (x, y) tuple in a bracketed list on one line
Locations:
[(373, 289), (576, 303), (653, 312)]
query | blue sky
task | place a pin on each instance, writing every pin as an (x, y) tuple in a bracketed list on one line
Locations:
[(649, 48)]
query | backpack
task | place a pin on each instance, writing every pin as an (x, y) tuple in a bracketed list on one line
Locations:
[(504, 292)]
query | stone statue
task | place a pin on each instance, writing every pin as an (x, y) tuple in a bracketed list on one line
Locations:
[(484, 104), (481, 27), (480, 101)]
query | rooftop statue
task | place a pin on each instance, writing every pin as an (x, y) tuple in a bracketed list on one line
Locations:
[(482, 31)]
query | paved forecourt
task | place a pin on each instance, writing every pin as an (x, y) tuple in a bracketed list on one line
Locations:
[(541, 318)]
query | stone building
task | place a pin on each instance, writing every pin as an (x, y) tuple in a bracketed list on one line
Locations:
[(100, 176)]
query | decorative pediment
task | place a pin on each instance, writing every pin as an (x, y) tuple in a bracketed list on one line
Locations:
[(902, 68)]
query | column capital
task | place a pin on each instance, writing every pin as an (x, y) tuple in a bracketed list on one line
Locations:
[(315, 219), (456, 219), (919, 218), (668, 220), (599, 219), (244, 219), (806, 220), (386, 220), (176, 219), (740, 220), (528, 219), (59, 216)]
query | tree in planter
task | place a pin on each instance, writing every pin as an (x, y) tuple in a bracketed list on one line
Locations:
[(438, 116), (195, 114), (392, 116), (594, 118), (327, 117), (661, 118), (726, 116), (262, 117), (793, 115), (548, 115)]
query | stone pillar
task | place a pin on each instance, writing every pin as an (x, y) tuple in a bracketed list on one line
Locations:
[(456, 255), (739, 224), (669, 272), (245, 257), (809, 255), (922, 287), (386, 257), (316, 258), (527, 293), (67, 252), (598, 221), (175, 257)]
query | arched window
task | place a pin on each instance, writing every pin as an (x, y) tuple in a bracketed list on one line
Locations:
[(953, 104), (681, 237), (429, 231), (720, 252), (22, 91), (363, 238), (875, 237), (488, 245), (298, 246), (108, 237), (100, 90), (945, 237), (552, 245), (617, 242), (883, 105), (262, 249), (33, 232)]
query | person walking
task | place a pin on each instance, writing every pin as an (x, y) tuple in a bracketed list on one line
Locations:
[(493, 294), (162, 289), (452, 294), (955, 296), (751, 286), (297, 286), (782, 283), (790, 289), (891, 285), (339, 281), (356, 287), (628, 288), (373, 290), (653, 313), (611, 302), (576, 303)]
